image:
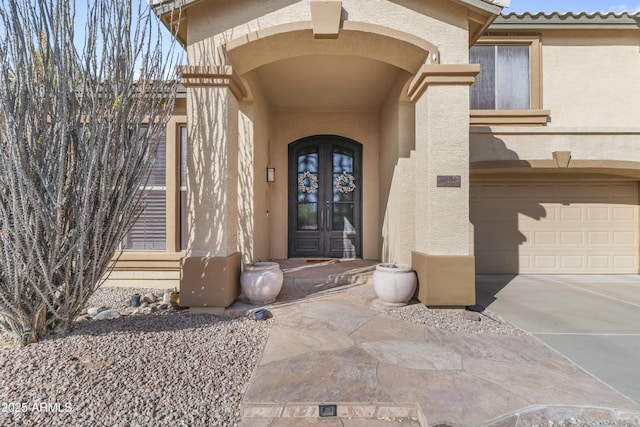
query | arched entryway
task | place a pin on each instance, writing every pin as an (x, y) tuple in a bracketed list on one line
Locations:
[(259, 78), (325, 197), (308, 86)]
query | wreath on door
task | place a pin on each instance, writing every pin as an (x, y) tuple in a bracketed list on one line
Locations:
[(345, 183), (308, 182)]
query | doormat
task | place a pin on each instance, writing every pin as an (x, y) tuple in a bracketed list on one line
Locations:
[(321, 261)]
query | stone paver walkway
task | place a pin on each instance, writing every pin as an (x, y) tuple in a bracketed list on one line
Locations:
[(339, 347)]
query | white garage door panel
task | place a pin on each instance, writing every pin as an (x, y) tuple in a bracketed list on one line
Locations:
[(556, 228)]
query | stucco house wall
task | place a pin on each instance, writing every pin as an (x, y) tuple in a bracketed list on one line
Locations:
[(564, 192), (589, 78), (215, 23), (255, 221), (394, 76), (397, 130)]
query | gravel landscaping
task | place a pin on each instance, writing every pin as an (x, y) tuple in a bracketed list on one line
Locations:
[(169, 368), (476, 320)]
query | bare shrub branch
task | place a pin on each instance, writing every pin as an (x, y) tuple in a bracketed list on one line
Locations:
[(77, 133)]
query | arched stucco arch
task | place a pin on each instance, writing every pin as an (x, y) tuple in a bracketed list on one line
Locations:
[(376, 42)]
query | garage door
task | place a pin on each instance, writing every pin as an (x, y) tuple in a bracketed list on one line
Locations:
[(555, 228)]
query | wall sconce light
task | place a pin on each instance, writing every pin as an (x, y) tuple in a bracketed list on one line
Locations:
[(271, 174)]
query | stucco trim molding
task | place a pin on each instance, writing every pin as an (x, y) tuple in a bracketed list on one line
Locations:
[(325, 18), (366, 27), (147, 261), (509, 117), (435, 74), (213, 76), (263, 54), (148, 256), (562, 158), (561, 162)]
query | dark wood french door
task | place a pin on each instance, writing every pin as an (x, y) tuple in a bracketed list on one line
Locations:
[(325, 197)]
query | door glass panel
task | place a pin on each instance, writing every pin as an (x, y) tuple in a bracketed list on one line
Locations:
[(308, 186), (342, 160), (307, 216), (307, 189), (343, 217), (343, 179), (308, 162), (341, 188), (308, 178)]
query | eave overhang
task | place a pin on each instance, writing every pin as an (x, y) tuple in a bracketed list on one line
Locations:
[(160, 7), (172, 14), (164, 6), (481, 14), (493, 7)]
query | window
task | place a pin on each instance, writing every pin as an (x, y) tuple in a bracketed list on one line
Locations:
[(149, 230), (504, 79), (508, 90)]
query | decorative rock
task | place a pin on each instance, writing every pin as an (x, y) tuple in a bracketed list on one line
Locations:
[(163, 306), (93, 311), (144, 305), (107, 314), (472, 315), (149, 298), (153, 309), (261, 314)]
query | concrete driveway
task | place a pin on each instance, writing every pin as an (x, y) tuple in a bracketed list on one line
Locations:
[(593, 320)]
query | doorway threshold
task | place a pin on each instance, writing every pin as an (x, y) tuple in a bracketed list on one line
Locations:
[(304, 277)]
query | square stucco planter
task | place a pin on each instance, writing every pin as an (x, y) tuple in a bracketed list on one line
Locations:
[(445, 280), (210, 281)]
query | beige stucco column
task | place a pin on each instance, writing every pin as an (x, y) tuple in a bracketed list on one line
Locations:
[(441, 256), (211, 270)]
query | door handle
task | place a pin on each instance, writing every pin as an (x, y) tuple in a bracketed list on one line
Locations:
[(321, 219), (326, 219), (327, 225)]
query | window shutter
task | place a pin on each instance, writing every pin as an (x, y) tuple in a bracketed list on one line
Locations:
[(149, 232)]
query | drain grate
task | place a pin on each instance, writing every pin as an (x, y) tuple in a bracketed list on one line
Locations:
[(328, 410)]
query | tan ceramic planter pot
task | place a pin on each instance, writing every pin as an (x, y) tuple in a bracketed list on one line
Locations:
[(394, 284), (261, 282)]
